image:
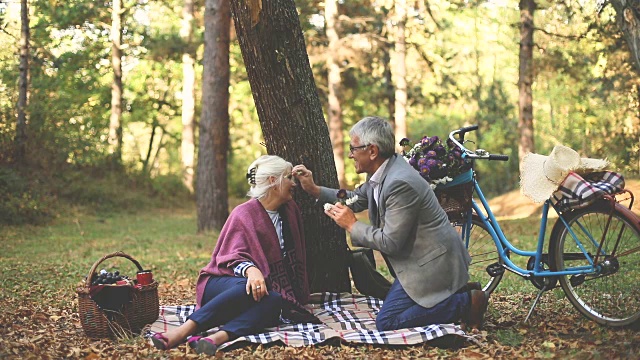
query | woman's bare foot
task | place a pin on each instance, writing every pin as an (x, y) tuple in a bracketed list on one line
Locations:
[(175, 337)]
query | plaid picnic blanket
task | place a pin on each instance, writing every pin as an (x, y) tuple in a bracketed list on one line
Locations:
[(579, 191), (348, 317)]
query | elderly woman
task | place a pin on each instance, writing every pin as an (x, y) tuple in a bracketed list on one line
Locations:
[(257, 274)]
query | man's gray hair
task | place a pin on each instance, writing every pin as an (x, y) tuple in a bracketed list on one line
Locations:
[(260, 170), (375, 131)]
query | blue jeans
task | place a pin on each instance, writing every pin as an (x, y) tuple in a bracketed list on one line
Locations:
[(400, 312), (225, 303)]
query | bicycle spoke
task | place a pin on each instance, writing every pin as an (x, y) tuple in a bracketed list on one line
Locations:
[(612, 296), (483, 252)]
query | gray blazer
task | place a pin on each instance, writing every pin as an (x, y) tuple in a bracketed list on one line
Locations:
[(412, 231)]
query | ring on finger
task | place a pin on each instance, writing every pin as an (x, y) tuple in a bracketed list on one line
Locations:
[(335, 213), (258, 287)]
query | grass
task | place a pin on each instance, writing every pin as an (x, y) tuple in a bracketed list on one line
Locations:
[(40, 267), (56, 257)]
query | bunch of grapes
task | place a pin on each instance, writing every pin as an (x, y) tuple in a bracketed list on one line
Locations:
[(107, 278)]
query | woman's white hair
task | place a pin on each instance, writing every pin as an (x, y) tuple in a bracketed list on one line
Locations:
[(260, 170)]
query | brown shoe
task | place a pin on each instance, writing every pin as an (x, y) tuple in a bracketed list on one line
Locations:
[(470, 286), (479, 302)]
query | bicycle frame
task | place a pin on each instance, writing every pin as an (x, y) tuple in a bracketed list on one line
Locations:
[(504, 246)]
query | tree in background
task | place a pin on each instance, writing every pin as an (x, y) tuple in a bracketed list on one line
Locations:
[(115, 121), (399, 72), (525, 79), (292, 122), (585, 92), (188, 140), (211, 185), (21, 125), (334, 83), (628, 19)]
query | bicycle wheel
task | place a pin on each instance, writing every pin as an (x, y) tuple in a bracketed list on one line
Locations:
[(611, 297), (483, 253)]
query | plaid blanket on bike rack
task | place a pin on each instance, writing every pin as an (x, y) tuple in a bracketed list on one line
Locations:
[(350, 318), (579, 191)]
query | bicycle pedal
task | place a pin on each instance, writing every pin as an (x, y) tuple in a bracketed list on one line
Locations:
[(576, 280), (495, 269)]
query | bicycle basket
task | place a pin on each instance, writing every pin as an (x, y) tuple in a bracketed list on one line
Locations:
[(455, 196)]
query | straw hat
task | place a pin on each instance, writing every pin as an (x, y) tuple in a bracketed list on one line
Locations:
[(540, 175)]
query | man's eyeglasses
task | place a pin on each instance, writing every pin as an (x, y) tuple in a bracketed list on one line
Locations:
[(352, 148)]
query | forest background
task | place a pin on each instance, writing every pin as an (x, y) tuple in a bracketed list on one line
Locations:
[(462, 67), (103, 106)]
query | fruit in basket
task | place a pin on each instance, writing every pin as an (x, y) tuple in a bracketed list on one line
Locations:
[(105, 277)]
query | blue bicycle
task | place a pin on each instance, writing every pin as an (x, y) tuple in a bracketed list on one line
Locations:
[(593, 252)]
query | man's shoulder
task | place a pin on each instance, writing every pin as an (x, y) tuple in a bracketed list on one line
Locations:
[(401, 170)]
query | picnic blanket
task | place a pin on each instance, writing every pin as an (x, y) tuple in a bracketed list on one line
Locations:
[(348, 317)]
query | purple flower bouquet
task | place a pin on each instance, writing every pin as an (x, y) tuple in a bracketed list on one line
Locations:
[(436, 163)]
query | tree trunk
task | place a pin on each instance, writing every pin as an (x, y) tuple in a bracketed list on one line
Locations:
[(188, 96), (145, 162), (292, 122), (628, 19), (400, 72), (115, 125), (212, 191), (21, 126), (389, 90), (525, 100), (334, 83)]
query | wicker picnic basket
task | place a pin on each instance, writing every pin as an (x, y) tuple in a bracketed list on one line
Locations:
[(143, 308)]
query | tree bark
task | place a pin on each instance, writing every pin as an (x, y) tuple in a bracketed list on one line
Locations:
[(292, 121), (525, 99), (628, 19), (145, 162), (334, 84), (115, 125), (188, 96), (21, 125), (389, 90), (211, 185), (400, 72)]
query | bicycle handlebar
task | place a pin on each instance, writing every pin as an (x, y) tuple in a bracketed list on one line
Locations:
[(477, 154), (467, 129), (498, 157)]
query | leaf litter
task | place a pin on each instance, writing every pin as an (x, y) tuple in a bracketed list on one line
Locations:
[(40, 321), (34, 325)]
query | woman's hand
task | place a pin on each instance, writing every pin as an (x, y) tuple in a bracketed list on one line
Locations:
[(256, 284)]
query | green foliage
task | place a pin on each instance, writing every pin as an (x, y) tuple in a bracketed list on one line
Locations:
[(509, 337), (586, 95), (22, 200), (462, 69), (100, 189), (498, 134), (29, 196)]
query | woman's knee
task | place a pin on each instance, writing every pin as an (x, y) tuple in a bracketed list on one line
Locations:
[(273, 300)]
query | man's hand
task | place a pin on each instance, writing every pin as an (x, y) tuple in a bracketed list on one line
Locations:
[(255, 283), (342, 215), (305, 177)]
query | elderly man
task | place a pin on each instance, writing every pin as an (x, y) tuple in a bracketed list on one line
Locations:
[(409, 228)]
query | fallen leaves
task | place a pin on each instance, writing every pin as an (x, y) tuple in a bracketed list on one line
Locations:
[(39, 326)]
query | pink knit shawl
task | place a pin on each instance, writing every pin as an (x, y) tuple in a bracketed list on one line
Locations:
[(249, 235)]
